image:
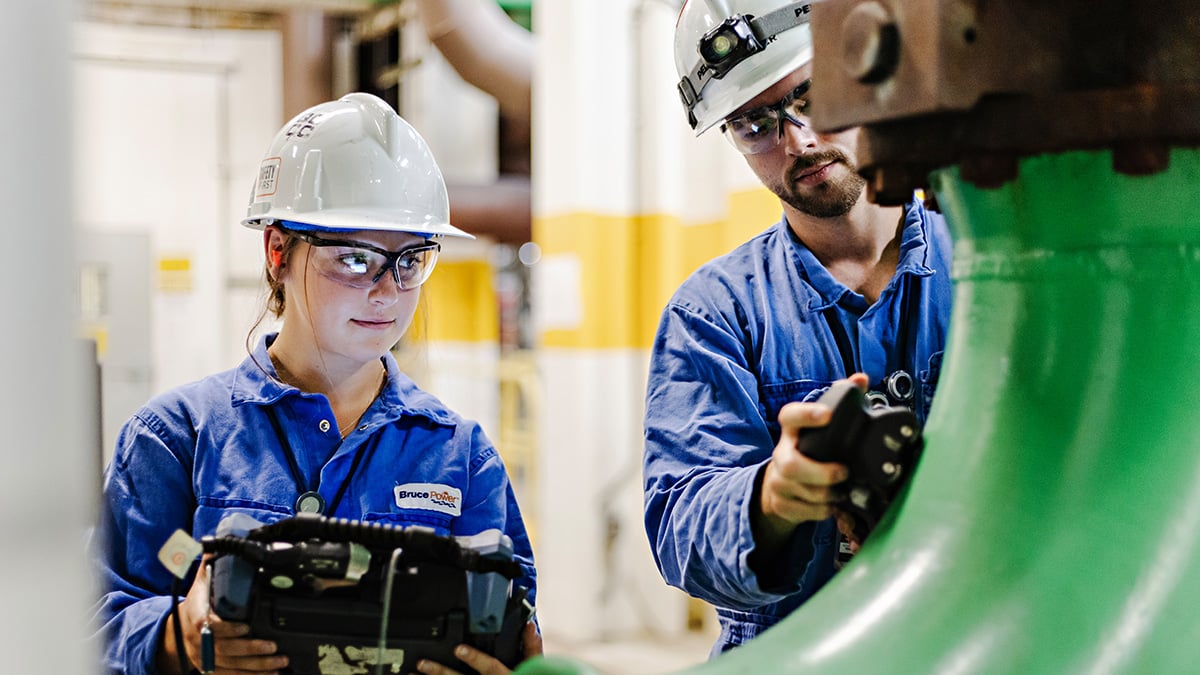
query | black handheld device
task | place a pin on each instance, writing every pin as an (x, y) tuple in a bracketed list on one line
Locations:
[(349, 596), (880, 447)]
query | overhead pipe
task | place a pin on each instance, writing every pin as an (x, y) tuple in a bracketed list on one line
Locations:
[(485, 47), (491, 52), (307, 64)]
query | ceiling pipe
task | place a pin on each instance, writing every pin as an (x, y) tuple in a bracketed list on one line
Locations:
[(485, 47), (307, 67), (501, 210), (491, 52)]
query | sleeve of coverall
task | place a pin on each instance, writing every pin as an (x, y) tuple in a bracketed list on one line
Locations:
[(490, 502), (147, 496), (705, 443)]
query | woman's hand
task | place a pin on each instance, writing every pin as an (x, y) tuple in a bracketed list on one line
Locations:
[(235, 654), (845, 523), (483, 663)]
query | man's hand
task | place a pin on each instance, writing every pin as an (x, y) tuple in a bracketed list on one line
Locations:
[(483, 663), (796, 489)]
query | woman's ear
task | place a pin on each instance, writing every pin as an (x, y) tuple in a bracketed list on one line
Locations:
[(273, 242)]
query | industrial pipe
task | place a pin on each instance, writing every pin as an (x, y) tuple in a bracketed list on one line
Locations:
[(491, 52), (485, 47)]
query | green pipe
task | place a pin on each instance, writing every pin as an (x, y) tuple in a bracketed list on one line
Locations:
[(1053, 525)]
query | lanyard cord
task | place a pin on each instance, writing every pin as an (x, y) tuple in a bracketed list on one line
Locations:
[(842, 339), (298, 477)]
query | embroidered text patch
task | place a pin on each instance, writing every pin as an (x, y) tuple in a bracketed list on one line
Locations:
[(429, 496)]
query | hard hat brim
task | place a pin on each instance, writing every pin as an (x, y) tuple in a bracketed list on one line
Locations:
[(351, 220)]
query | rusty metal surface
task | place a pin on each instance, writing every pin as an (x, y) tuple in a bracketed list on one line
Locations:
[(1139, 123), (982, 83)]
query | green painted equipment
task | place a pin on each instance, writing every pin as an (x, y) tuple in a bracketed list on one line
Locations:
[(1053, 525)]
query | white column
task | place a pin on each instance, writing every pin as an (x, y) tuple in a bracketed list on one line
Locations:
[(51, 453), (593, 70)]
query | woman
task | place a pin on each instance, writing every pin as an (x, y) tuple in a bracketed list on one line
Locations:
[(318, 417)]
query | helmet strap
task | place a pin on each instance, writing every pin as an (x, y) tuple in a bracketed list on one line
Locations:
[(751, 35)]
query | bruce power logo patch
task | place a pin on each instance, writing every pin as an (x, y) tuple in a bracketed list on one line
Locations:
[(430, 497)]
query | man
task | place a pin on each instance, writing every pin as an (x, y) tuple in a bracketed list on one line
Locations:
[(839, 288)]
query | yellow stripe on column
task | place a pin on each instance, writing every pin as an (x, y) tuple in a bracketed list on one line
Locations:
[(460, 303), (630, 265), (605, 246)]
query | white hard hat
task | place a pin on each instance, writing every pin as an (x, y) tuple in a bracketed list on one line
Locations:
[(351, 164), (729, 51)]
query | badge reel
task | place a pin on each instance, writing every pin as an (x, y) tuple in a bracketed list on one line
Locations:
[(310, 502)]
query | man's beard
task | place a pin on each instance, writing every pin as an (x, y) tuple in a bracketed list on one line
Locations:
[(830, 199)]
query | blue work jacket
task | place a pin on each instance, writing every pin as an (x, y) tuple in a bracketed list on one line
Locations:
[(747, 333), (202, 451)]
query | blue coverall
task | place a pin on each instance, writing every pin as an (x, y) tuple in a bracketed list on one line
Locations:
[(747, 333), (202, 451)]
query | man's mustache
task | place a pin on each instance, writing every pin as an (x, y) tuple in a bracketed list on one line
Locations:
[(807, 162)]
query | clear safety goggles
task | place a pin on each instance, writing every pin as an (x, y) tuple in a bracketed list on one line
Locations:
[(761, 129), (361, 265)]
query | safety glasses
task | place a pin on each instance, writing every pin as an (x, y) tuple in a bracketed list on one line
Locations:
[(360, 265), (761, 129)]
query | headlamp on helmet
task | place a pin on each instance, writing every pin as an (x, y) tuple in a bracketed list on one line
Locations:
[(728, 44)]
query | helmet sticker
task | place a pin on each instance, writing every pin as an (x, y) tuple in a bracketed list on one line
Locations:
[(303, 125), (268, 178)]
